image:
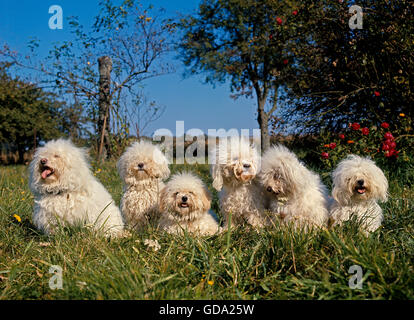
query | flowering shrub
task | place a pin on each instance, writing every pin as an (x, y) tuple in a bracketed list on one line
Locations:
[(383, 143)]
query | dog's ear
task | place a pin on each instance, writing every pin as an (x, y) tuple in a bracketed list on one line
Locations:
[(205, 199), (381, 184), (164, 171), (217, 177), (341, 195), (121, 165), (294, 174), (161, 169), (164, 200)]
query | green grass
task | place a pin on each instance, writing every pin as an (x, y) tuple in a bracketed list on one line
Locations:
[(273, 264)]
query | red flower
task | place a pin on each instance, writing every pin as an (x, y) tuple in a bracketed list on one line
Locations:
[(390, 143), (279, 21), (385, 125), (355, 126), (270, 37), (295, 12), (286, 61), (365, 131), (388, 135), (377, 94), (325, 155), (342, 136), (385, 147), (391, 153), (332, 145)]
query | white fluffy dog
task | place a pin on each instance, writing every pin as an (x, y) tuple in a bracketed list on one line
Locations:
[(184, 203), (66, 192), (357, 186), (235, 164), (142, 168), (296, 193)]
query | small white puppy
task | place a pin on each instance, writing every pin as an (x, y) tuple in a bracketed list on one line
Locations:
[(66, 192), (142, 168), (357, 186), (235, 164), (296, 193), (185, 202)]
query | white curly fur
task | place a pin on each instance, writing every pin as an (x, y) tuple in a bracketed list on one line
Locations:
[(235, 164), (142, 186), (296, 193), (66, 192), (359, 199), (192, 214)]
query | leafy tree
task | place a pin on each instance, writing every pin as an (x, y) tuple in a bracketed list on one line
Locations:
[(28, 114), (344, 75), (133, 37), (246, 42)]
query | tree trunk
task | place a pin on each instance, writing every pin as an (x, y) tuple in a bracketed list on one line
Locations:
[(21, 152), (105, 68), (263, 120)]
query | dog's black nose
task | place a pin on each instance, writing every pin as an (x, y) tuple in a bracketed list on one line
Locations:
[(246, 165), (184, 198), (140, 165), (43, 161), (360, 182), (269, 189)]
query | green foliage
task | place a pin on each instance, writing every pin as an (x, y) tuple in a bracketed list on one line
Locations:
[(246, 42), (346, 75), (27, 113), (135, 37), (239, 40), (273, 264)]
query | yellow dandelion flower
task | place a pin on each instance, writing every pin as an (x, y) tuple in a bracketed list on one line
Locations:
[(23, 199), (402, 114), (17, 218), (22, 192), (210, 282)]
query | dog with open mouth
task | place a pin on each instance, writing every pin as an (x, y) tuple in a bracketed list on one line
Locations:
[(142, 168), (235, 165), (66, 192), (296, 194), (185, 204), (358, 184)]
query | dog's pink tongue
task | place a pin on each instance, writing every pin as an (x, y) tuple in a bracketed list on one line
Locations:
[(45, 173), (361, 191)]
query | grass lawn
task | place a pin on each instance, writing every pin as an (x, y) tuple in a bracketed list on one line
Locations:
[(274, 264)]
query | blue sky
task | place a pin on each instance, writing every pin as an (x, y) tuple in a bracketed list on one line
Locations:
[(199, 105)]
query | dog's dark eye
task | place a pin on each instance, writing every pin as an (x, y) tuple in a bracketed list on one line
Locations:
[(56, 156), (176, 193)]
